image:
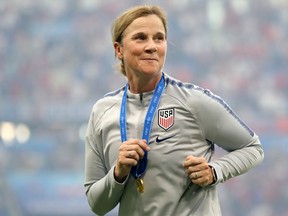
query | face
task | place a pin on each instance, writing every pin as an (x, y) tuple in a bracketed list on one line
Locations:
[(143, 47)]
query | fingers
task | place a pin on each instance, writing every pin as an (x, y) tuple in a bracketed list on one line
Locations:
[(198, 170), (133, 149), (130, 152), (193, 161)]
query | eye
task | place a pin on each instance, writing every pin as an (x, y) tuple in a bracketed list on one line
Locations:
[(159, 37), (139, 36)]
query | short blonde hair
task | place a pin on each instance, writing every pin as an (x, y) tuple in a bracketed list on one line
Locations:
[(126, 18)]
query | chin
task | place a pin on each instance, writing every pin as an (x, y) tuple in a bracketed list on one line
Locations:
[(151, 70)]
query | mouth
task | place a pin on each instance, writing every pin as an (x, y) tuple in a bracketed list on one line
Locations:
[(150, 59)]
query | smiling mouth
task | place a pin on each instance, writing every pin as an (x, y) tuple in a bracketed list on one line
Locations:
[(149, 59)]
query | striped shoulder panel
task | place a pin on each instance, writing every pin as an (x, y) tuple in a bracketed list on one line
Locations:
[(174, 82), (180, 84), (228, 108)]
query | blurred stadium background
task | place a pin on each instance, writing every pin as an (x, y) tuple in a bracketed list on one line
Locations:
[(56, 60)]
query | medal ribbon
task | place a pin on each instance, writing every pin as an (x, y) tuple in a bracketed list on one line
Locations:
[(138, 171)]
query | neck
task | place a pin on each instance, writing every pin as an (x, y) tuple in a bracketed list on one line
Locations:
[(143, 84)]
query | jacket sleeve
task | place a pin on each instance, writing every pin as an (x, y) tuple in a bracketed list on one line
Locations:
[(222, 126), (102, 190)]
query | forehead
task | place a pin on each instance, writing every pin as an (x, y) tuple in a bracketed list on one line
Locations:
[(150, 23)]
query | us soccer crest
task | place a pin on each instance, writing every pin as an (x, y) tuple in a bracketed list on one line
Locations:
[(166, 118)]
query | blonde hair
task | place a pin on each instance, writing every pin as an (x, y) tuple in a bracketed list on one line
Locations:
[(126, 18)]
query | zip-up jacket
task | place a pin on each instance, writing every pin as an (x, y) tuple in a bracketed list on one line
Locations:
[(189, 120)]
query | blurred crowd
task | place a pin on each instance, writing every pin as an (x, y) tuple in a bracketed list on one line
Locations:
[(57, 59)]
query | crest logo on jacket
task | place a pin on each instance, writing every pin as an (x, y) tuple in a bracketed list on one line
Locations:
[(166, 118)]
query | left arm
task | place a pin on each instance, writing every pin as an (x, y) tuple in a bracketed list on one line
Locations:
[(220, 125)]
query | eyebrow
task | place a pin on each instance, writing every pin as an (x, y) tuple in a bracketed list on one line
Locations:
[(138, 34), (143, 33)]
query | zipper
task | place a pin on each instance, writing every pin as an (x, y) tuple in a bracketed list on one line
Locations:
[(140, 118)]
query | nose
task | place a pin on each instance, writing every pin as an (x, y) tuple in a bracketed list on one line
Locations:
[(151, 46)]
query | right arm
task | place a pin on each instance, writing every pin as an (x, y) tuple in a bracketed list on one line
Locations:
[(104, 187), (102, 190)]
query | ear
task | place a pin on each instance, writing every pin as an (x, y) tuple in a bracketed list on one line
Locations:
[(118, 48)]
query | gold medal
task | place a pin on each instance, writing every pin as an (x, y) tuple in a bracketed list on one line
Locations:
[(140, 185)]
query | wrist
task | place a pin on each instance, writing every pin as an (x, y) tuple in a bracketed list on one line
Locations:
[(118, 177), (214, 175)]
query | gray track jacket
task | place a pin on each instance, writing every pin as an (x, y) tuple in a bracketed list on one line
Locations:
[(189, 120)]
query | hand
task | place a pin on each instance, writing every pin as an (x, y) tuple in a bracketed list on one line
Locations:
[(198, 170), (130, 152)]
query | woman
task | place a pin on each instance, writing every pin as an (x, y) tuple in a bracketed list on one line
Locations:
[(149, 145)]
